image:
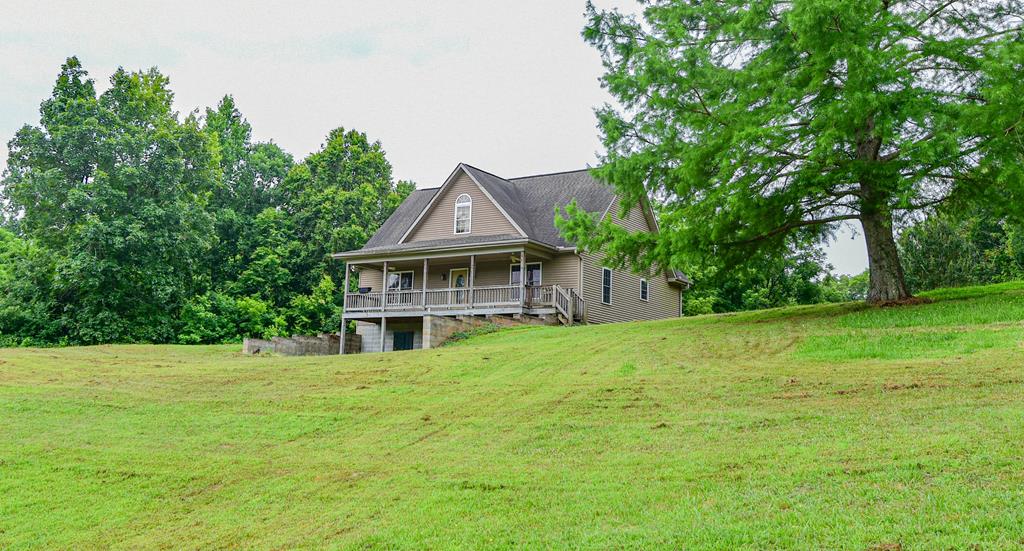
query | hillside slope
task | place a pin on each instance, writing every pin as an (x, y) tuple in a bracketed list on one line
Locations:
[(812, 427)]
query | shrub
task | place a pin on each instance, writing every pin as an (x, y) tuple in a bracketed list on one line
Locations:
[(217, 318)]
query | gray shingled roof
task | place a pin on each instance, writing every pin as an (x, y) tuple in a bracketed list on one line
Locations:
[(396, 225), (446, 242), (506, 195), (541, 195), (530, 201)]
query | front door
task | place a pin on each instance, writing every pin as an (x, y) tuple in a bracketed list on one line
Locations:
[(403, 340), (459, 279)]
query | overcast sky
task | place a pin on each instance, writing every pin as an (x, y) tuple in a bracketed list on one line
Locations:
[(506, 86)]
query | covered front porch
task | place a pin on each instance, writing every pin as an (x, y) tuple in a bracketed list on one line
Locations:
[(474, 284), (507, 279)]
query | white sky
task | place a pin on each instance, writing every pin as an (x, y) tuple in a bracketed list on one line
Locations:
[(506, 86)]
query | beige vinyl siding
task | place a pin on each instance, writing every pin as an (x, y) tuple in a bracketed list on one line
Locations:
[(634, 221), (560, 270), (369, 277), (439, 222), (437, 268), (626, 305), (373, 277)]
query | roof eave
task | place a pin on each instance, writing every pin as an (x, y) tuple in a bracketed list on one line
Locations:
[(484, 244), (684, 282)]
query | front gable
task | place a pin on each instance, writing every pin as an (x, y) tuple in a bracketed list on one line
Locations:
[(437, 221), (639, 218)]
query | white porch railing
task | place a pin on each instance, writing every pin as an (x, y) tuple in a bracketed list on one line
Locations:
[(496, 295), (565, 300), (578, 305), (363, 301), (416, 299)]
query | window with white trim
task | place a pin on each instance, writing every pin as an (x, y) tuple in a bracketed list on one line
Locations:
[(463, 213), (533, 274), (400, 281), (644, 290), (606, 285)]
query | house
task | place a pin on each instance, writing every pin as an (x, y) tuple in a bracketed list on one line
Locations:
[(482, 245)]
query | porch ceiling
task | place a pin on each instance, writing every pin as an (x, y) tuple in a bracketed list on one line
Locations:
[(503, 257)]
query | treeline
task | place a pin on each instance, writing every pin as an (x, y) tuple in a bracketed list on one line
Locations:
[(963, 245), (956, 245), (800, 275), (124, 222)]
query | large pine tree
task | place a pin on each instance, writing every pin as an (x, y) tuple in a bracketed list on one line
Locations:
[(751, 121)]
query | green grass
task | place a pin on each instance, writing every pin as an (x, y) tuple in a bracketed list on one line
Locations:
[(822, 427)]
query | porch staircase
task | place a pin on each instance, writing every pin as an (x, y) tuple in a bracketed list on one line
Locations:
[(569, 305)]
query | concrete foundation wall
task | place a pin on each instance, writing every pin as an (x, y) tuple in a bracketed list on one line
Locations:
[(370, 334), (323, 344), (437, 329), (433, 331), (353, 343)]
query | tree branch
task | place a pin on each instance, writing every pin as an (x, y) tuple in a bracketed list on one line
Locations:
[(935, 12), (792, 226)]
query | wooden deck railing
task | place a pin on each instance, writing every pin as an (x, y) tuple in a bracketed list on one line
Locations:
[(565, 300), (363, 301), (578, 305), (568, 303), (448, 298), (540, 295)]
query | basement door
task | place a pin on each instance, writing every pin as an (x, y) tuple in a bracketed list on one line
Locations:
[(403, 340)]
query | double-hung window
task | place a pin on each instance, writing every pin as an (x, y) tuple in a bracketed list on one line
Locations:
[(644, 290), (606, 285), (463, 214)]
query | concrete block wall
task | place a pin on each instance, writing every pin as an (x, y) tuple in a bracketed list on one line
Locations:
[(353, 343), (370, 334), (323, 344), (256, 346), (437, 329)]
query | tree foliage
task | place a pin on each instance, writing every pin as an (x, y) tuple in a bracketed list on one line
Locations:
[(957, 247), (799, 276), (754, 122), (338, 197), (129, 223)]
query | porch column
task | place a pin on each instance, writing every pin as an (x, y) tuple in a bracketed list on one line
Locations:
[(424, 284), (522, 278), (383, 331), (344, 304), (384, 289), (472, 276)]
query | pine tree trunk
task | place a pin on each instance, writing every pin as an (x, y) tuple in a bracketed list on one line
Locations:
[(885, 277), (886, 282)]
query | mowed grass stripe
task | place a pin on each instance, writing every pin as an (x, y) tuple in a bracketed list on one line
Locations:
[(810, 427)]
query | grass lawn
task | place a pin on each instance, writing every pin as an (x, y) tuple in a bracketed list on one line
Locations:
[(813, 427)]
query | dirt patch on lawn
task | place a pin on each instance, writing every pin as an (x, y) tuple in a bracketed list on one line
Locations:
[(912, 301)]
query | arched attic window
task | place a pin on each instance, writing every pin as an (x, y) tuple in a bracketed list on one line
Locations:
[(463, 214)]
